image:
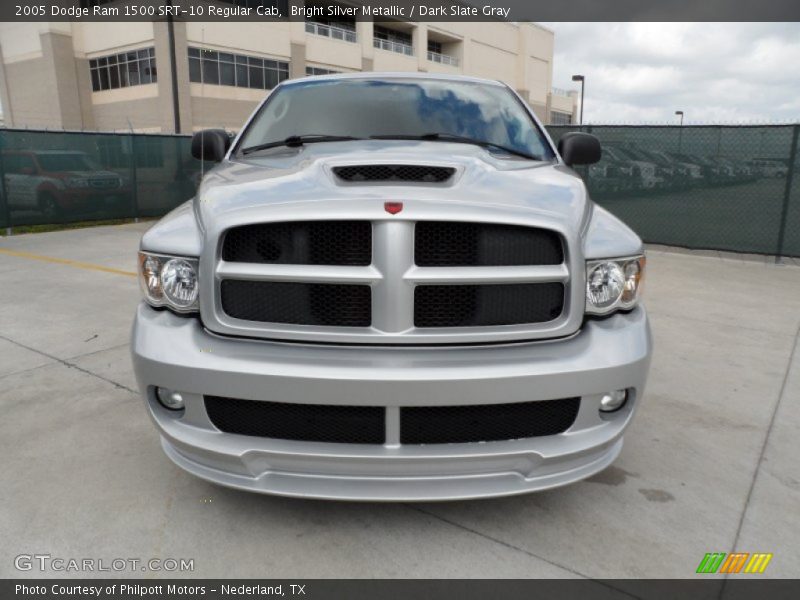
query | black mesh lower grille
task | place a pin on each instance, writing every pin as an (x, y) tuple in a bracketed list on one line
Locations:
[(335, 305), (486, 422), (487, 305), (305, 422), (366, 424), (451, 244), (406, 173), (301, 243)]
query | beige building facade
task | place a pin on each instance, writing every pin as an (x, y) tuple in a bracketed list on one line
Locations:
[(185, 76)]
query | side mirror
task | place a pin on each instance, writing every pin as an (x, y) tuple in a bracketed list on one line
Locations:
[(579, 148), (210, 144), (27, 171)]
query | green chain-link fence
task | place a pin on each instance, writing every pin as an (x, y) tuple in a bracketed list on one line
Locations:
[(717, 187), (63, 177), (720, 187)]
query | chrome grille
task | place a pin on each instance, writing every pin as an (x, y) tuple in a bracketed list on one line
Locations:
[(497, 282)]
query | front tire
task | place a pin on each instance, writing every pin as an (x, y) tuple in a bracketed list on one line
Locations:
[(49, 207)]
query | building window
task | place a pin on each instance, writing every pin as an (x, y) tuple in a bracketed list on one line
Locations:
[(137, 67), (224, 68), (435, 47), (436, 54), (337, 30), (394, 41), (320, 71), (560, 118)]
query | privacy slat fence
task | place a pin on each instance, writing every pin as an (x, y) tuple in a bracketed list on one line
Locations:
[(716, 187)]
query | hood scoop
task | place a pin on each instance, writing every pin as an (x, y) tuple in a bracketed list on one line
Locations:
[(394, 173)]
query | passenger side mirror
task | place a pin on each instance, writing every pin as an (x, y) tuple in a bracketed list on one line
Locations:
[(210, 144), (26, 171), (579, 149)]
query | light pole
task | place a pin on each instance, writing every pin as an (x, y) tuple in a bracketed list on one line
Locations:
[(680, 131), (582, 79)]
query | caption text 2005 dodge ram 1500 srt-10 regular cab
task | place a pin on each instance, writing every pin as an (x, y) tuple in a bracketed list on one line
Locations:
[(391, 287)]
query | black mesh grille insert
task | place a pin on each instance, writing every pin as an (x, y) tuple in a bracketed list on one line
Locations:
[(449, 244), (486, 422), (486, 305), (298, 303), (407, 173), (301, 243), (306, 422)]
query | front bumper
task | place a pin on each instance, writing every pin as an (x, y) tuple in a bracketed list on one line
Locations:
[(178, 353)]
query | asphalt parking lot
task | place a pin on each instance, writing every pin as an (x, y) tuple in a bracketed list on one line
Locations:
[(709, 465)]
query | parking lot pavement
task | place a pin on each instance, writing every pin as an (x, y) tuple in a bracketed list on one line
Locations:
[(709, 465)]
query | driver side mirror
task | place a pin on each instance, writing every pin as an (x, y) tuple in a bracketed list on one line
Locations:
[(210, 144), (579, 149)]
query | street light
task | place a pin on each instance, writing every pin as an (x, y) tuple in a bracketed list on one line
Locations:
[(680, 131), (582, 79)]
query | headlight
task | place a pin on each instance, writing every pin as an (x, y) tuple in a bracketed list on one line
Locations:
[(150, 278), (169, 281), (613, 284), (77, 182), (179, 282)]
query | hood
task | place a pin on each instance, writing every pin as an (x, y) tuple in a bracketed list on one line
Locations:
[(282, 179)]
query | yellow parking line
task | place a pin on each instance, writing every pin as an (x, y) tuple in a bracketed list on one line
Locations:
[(65, 261)]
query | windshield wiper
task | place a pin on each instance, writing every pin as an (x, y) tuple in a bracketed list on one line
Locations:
[(459, 139), (298, 140)]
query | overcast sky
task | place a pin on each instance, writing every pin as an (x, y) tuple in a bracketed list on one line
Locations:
[(714, 72)]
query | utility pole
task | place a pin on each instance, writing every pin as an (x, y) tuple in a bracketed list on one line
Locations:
[(582, 79), (680, 131), (176, 107)]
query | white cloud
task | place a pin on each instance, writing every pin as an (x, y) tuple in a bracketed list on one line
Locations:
[(714, 72)]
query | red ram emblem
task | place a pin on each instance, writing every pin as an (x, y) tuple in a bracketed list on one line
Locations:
[(393, 207)]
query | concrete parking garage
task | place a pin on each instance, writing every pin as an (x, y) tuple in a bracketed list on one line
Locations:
[(709, 465)]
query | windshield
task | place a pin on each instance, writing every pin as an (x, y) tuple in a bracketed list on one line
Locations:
[(406, 107), (66, 162)]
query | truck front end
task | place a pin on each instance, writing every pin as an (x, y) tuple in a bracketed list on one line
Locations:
[(386, 316)]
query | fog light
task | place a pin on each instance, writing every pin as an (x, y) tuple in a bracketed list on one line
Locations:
[(169, 399), (613, 400)]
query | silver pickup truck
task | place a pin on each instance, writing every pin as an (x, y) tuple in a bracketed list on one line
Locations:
[(391, 287)]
